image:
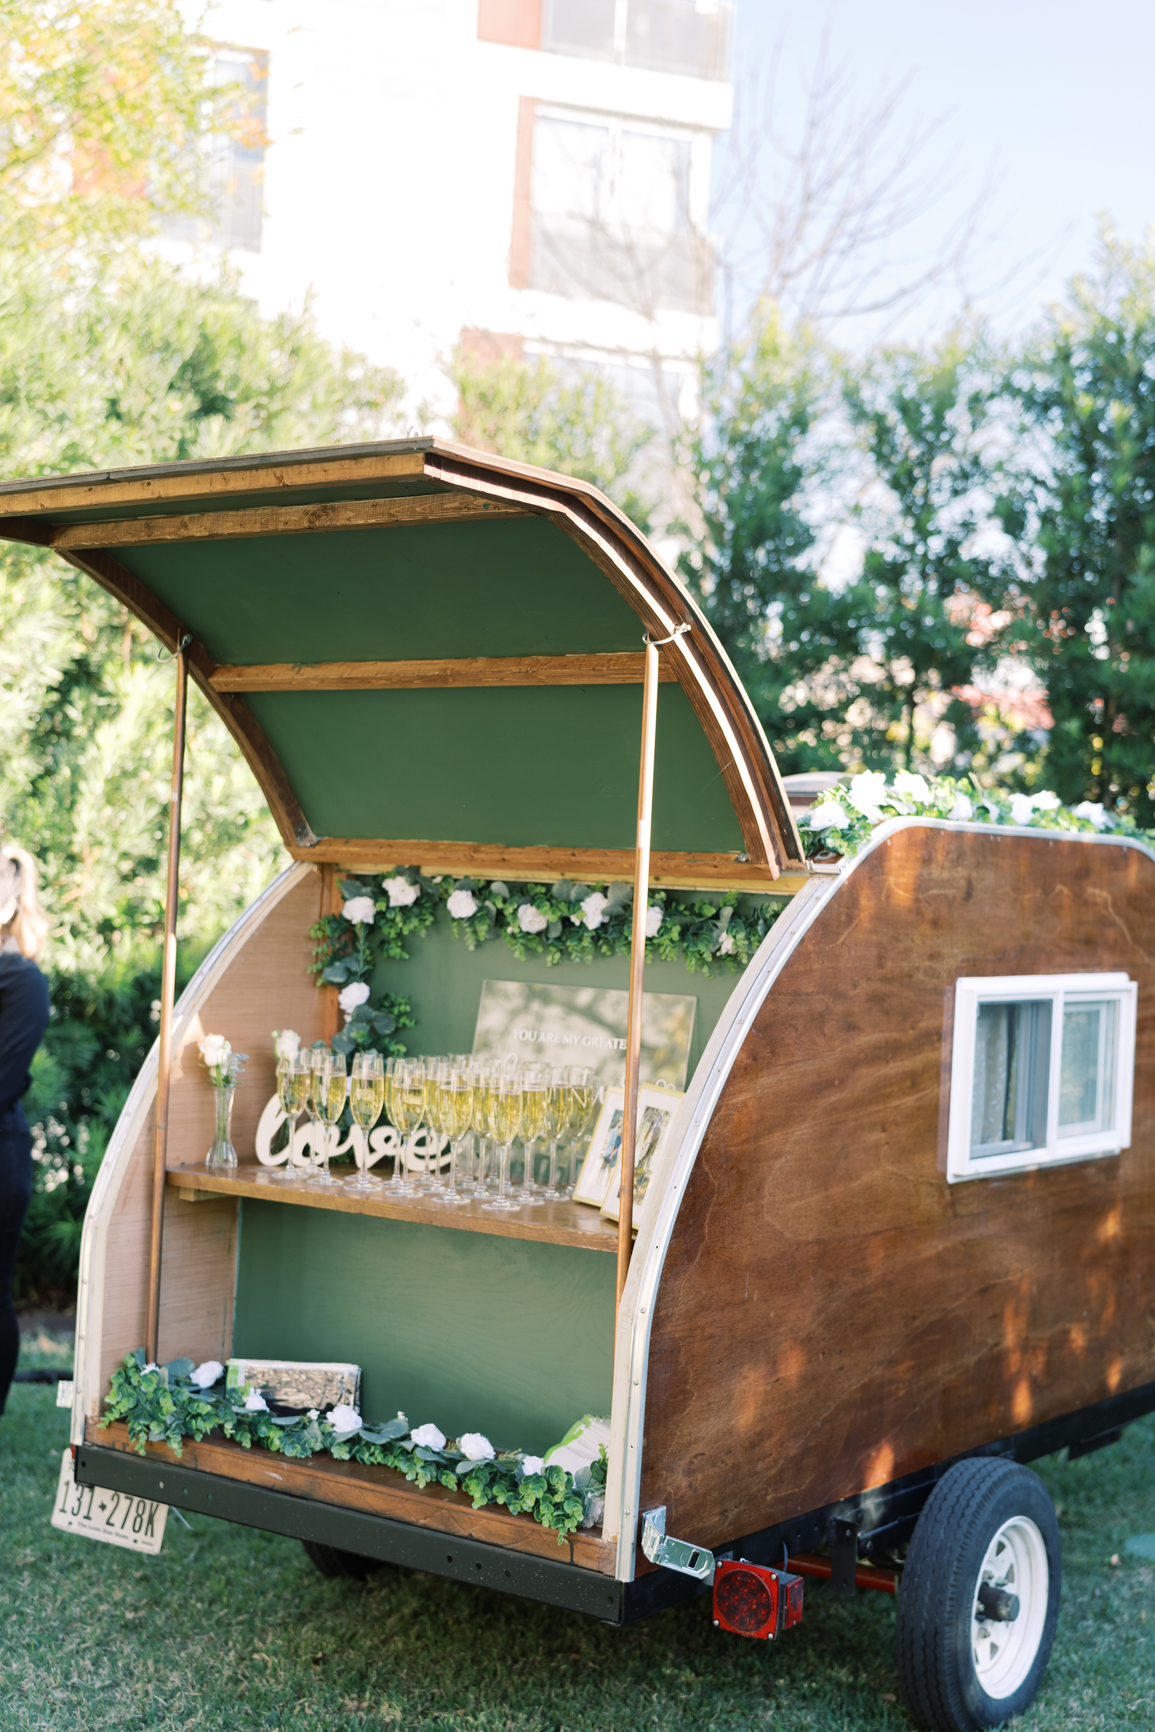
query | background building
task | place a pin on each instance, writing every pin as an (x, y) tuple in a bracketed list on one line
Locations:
[(515, 176)]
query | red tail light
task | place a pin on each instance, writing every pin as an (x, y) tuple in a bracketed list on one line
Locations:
[(753, 1600)]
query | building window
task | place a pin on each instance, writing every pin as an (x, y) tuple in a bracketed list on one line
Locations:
[(1041, 1071), (610, 214), (690, 37), (233, 165)]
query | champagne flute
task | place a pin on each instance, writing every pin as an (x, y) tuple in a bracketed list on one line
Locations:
[(330, 1085), (506, 1098), (409, 1086), (581, 1101), (293, 1075), (316, 1057), (457, 1108), (436, 1072), (535, 1101), (556, 1119), (366, 1098), (397, 1187), (479, 1120)]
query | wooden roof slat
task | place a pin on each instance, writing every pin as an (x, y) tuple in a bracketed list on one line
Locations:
[(623, 668), (414, 508)]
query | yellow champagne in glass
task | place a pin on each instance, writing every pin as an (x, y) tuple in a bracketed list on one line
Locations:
[(459, 1112), (408, 1104), (334, 1089), (366, 1098), (534, 1114), (505, 1115), (293, 1088)]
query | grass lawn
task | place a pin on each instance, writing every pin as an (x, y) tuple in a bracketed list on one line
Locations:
[(231, 1629)]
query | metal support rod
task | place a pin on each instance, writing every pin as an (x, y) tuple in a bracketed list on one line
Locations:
[(167, 995), (637, 962)]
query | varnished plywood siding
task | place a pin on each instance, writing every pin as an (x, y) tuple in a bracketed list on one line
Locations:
[(266, 986), (832, 1313)]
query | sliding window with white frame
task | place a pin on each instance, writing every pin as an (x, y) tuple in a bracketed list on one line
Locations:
[(1042, 1069)]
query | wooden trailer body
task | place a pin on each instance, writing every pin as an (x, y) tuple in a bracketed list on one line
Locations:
[(433, 658)]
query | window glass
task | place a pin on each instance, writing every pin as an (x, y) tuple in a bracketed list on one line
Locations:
[(583, 27), (1012, 1067), (1087, 1067)]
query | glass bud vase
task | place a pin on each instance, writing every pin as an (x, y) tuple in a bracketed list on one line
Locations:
[(222, 1157)]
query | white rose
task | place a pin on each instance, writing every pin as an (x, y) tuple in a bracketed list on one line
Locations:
[(428, 1436), (344, 1418), (255, 1402), (351, 996), (215, 1050), (475, 1447), (462, 905), (286, 1042), (828, 816), (1093, 811), (653, 921), (532, 1464), (531, 919), (1047, 802), (1022, 807), (359, 910), (401, 892), (594, 910), (914, 787), (206, 1375), (151, 1366), (312, 1414), (726, 944), (868, 793), (962, 810)]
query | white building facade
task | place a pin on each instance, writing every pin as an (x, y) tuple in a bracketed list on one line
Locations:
[(509, 176)]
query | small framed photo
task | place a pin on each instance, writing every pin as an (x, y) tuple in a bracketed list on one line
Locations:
[(604, 1152), (657, 1110)]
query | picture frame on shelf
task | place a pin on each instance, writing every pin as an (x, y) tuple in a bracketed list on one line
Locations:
[(657, 1110)]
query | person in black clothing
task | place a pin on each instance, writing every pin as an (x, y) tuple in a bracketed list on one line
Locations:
[(23, 1019)]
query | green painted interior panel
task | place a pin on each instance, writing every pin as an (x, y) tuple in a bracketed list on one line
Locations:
[(473, 1332), (516, 586), (443, 979), (546, 765)]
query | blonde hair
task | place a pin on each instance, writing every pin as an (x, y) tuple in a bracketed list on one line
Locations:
[(18, 879)]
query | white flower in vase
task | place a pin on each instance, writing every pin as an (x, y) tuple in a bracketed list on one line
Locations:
[(531, 919), (351, 996), (462, 905), (653, 920), (215, 1050), (360, 910), (532, 1464), (868, 793), (428, 1436), (344, 1419), (206, 1375), (255, 1402), (474, 1447), (400, 892)]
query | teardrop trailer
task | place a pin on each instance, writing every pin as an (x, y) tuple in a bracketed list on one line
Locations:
[(899, 1243)]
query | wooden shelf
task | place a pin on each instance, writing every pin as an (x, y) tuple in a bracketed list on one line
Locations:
[(548, 1224), (378, 1490)]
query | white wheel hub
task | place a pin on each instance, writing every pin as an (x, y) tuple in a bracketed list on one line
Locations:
[(1004, 1652)]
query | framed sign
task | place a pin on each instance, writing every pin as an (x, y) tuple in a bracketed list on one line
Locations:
[(597, 1182), (562, 1025)]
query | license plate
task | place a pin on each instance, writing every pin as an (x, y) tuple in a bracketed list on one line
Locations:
[(99, 1514)]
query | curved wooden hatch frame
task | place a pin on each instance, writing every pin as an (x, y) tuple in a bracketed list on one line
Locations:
[(457, 484)]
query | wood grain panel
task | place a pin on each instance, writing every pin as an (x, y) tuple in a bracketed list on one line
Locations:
[(266, 987), (546, 865), (378, 1491), (406, 509), (575, 1224), (612, 669), (832, 1314)]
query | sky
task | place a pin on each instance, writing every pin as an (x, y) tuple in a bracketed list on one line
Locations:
[(1049, 103)]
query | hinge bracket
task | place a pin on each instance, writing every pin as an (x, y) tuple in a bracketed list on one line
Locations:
[(680, 1555)]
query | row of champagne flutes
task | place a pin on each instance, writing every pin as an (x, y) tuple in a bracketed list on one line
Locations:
[(478, 1107)]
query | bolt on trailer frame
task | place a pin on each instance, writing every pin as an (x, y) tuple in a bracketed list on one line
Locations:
[(435, 658)]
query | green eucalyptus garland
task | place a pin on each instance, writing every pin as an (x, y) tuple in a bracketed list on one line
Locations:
[(165, 1404), (564, 921)]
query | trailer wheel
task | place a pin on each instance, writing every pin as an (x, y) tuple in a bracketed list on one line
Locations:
[(980, 1598), (335, 1563)]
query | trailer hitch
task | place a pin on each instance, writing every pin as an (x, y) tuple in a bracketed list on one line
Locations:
[(674, 1554)]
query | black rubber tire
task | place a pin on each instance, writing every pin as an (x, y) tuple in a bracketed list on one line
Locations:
[(335, 1563), (936, 1600)]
